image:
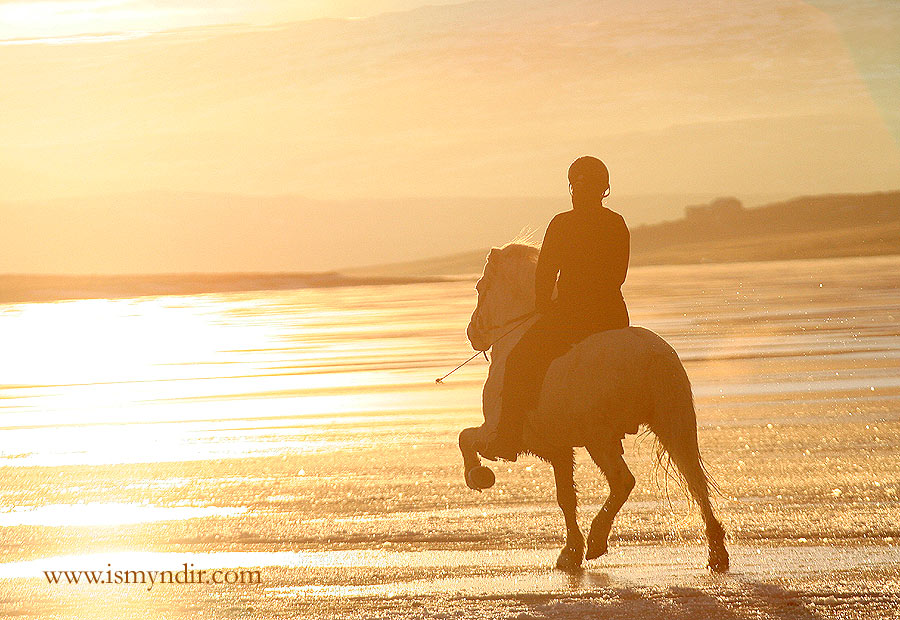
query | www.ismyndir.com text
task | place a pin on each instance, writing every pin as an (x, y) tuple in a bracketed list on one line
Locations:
[(187, 575)]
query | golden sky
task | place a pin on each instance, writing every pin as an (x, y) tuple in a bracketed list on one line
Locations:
[(29, 19), (482, 99)]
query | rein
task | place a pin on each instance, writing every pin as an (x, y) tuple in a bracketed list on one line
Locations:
[(521, 317), (518, 320)]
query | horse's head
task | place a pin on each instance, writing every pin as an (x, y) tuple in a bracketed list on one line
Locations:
[(505, 290)]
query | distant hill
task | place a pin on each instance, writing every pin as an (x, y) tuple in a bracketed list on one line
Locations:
[(720, 231), (18, 288), (724, 231), (188, 232)]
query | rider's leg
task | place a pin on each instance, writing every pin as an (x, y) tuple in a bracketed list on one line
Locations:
[(522, 378), (551, 336)]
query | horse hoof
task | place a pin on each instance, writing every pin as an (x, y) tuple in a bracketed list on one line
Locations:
[(718, 561), (480, 477), (569, 559), (595, 549)]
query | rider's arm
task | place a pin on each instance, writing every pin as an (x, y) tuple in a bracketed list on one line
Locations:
[(547, 268), (621, 250)]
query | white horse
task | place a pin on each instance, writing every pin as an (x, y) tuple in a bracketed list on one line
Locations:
[(610, 383)]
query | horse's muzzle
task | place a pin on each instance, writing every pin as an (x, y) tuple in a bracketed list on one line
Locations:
[(479, 340)]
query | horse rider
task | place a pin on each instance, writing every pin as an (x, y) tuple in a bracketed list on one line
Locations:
[(585, 256)]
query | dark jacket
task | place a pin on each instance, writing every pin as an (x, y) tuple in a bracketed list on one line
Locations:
[(589, 249)]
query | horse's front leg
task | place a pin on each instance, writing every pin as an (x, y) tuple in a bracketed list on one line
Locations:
[(572, 555), (477, 476)]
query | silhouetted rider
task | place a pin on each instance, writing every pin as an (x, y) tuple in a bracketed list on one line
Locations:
[(588, 248)]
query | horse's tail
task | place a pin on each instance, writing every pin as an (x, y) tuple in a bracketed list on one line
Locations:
[(674, 422)]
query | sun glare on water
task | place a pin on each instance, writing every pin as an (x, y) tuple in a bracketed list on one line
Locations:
[(106, 514), (90, 376), (170, 379), (105, 341)]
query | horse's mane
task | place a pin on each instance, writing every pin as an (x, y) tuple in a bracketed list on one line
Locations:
[(521, 251), (525, 237), (522, 255), (522, 247)]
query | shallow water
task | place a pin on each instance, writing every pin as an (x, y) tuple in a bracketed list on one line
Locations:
[(301, 433)]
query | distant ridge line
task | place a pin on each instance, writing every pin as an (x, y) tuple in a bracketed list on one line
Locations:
[(21, 288), (816, 226)]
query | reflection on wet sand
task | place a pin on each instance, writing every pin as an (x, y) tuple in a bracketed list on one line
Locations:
[(302, 432)]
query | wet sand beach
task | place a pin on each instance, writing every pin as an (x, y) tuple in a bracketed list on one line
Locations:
[(300, 434)]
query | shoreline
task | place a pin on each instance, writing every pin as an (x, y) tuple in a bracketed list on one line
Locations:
[(36, 288), (40, 288)]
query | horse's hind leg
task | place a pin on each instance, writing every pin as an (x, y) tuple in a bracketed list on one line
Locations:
[(564, 472), (621, 482), (715, 534), (698, 486)]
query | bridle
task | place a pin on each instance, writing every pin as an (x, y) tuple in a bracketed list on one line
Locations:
[(518, 320)]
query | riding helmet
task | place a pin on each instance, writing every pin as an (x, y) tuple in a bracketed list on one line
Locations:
[(589, 170)]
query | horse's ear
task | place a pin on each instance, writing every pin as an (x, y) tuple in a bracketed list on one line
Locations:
[(493, 253)]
